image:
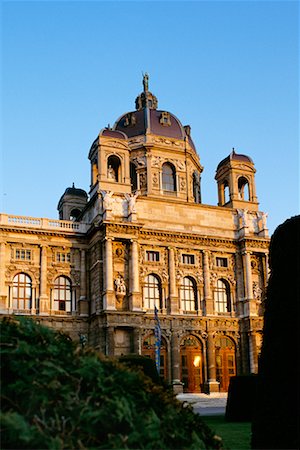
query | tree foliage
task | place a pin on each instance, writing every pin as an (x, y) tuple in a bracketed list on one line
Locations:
[(55, 395), (276, 419)]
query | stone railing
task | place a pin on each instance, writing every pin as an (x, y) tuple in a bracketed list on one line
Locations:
[(43, 223)]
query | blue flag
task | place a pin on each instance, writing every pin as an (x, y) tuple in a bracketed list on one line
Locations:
[(157, 332)]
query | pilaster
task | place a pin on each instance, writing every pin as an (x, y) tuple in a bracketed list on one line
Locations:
[(173, 305), (44, 304), (3, 291), (208, 301), (134, 296), (109, 302), (211, 385)]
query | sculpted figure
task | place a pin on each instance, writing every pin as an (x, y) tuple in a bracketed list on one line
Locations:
[(131, 199), (107, 199), (120, 285), (111, 173), (242, 214), (263, 218), (146, 82)]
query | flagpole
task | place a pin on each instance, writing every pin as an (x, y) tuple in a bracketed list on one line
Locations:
[(157, 333)]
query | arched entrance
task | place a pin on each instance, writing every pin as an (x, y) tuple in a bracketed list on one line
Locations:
[(225, 361), (148, 349), (191, 364)]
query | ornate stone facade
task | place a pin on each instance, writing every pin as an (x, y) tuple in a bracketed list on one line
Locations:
[(140, 239)]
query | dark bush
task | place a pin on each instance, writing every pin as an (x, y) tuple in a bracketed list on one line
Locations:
[(147, 365), (55, 395), (241, 397), (275, 424)]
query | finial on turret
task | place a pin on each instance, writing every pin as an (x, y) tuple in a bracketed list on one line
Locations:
[(146, 82)]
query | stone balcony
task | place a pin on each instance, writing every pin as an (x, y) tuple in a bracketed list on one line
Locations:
[(66, 226)]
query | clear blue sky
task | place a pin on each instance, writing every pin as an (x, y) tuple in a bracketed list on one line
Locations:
[(229, 69)]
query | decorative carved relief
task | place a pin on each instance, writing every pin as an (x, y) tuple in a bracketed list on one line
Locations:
[(155, 178), (156, 161), (139, 161), (143, 180), (182, 184)]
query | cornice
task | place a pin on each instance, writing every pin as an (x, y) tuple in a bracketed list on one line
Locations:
[(76, 235)]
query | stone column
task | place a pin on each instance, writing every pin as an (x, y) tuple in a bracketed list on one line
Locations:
[(149, 172), (175, 361), (250, 304), (44, 306), (137, 344), (240, 285), (3, 290), (173, 295), (253, 352), (110, 341), (134, 282), (83, 306), (208, 301), (109, 302), (211, 385)]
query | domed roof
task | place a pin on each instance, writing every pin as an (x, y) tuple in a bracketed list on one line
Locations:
[(148, 119), (108, 132), (76, 192), (234, 157)]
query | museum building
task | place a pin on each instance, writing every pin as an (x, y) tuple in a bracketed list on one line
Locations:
[(141, 238)]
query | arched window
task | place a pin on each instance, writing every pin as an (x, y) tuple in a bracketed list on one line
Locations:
[(226, 192), (133, 177), (74, 214), (188, 294), (62, 296), (22, 291), (243, 187), (196, 187), (222, 297), (114, 168), (152, 292), (94, 171), (168, 177)]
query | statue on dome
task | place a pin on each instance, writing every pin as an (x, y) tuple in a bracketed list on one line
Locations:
[(146, 82)]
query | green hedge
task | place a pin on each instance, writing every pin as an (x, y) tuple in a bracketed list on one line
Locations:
[(55, 395)]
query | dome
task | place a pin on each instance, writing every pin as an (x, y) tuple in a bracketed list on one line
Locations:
[(148, 119), (234, 157), (108, 132), (75, 192)]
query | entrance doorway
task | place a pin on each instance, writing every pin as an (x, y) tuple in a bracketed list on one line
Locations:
[(148, 349), (191, 359), (225, 362)]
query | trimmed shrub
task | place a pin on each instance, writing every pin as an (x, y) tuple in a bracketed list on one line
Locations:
[(241, 397), (276, 421), (140, 362), (56, 395)]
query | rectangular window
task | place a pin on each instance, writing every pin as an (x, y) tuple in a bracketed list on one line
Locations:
[(152, 256), (188, 259), (63, 257), (222, 262), (23, 255)]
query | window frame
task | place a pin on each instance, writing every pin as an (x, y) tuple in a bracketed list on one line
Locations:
[(152, 253), (168, 178), (221, 260), (188, 258), (152, 285), (188, 295), (22, 286), (62, 297), (222, 297)]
